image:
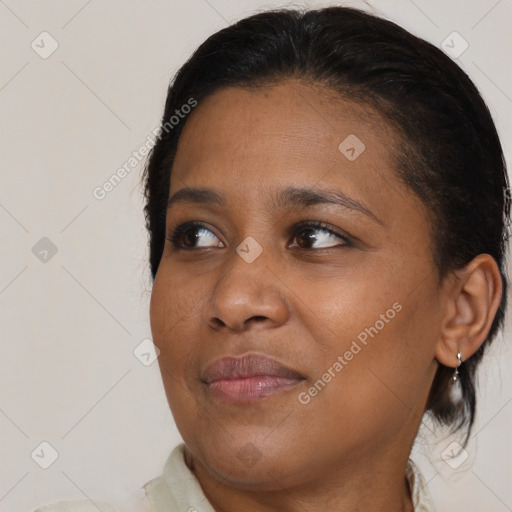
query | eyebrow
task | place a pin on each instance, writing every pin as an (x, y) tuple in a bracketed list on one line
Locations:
[(285, 198)]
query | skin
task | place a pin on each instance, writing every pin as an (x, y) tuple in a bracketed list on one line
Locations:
[(304, 302)]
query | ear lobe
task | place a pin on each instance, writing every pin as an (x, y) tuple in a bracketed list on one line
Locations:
[(474, 295)]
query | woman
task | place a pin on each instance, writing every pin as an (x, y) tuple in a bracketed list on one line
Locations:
[(326, 206)]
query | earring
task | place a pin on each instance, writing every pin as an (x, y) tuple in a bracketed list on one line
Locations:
[(455, 376)]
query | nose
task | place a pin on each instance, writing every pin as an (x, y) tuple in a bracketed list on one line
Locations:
[(247, 296)]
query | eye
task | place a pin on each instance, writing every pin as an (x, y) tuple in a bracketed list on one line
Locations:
[(196, 235), (318, 233), (193, 235)]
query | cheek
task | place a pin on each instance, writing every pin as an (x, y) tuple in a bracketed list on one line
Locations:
[(173, 300), (342, 309), (367, 389), (170, 308), (384, 334), (378, 293)]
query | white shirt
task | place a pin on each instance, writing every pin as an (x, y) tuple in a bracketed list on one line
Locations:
[(178, 490)]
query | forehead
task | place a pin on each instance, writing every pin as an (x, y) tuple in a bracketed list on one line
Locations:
[(290, 125), (292, 133)]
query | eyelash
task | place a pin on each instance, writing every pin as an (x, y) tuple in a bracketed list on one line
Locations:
[(179, 231)]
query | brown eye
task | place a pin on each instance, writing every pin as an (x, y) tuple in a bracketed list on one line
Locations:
[(318, 233), (190, 237), (306, 236), (193, 235)]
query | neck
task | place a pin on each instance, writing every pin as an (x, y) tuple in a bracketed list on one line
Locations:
[(378, 484)]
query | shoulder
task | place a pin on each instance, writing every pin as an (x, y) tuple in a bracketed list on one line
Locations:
[(170, 492), (135, 502), (418, 487), (76, 506)]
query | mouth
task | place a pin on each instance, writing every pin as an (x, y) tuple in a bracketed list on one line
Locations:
[(248, 378)]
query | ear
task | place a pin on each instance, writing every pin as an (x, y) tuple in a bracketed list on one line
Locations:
[(474, 295)]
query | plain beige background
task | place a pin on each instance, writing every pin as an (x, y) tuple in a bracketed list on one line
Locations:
[(74, 282)]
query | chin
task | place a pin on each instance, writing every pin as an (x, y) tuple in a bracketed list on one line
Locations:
[(249, 459)]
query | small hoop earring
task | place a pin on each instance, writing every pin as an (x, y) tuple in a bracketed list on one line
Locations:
[(455, 375)]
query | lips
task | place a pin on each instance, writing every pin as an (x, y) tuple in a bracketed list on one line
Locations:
[(247, 378)]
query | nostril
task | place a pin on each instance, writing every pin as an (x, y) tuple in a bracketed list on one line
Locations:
[(218, 322), (258, 318)]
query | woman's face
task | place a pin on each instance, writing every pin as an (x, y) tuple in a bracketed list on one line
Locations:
[(349, 311)]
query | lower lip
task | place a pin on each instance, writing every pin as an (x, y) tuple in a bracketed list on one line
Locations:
[(250, 389)]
